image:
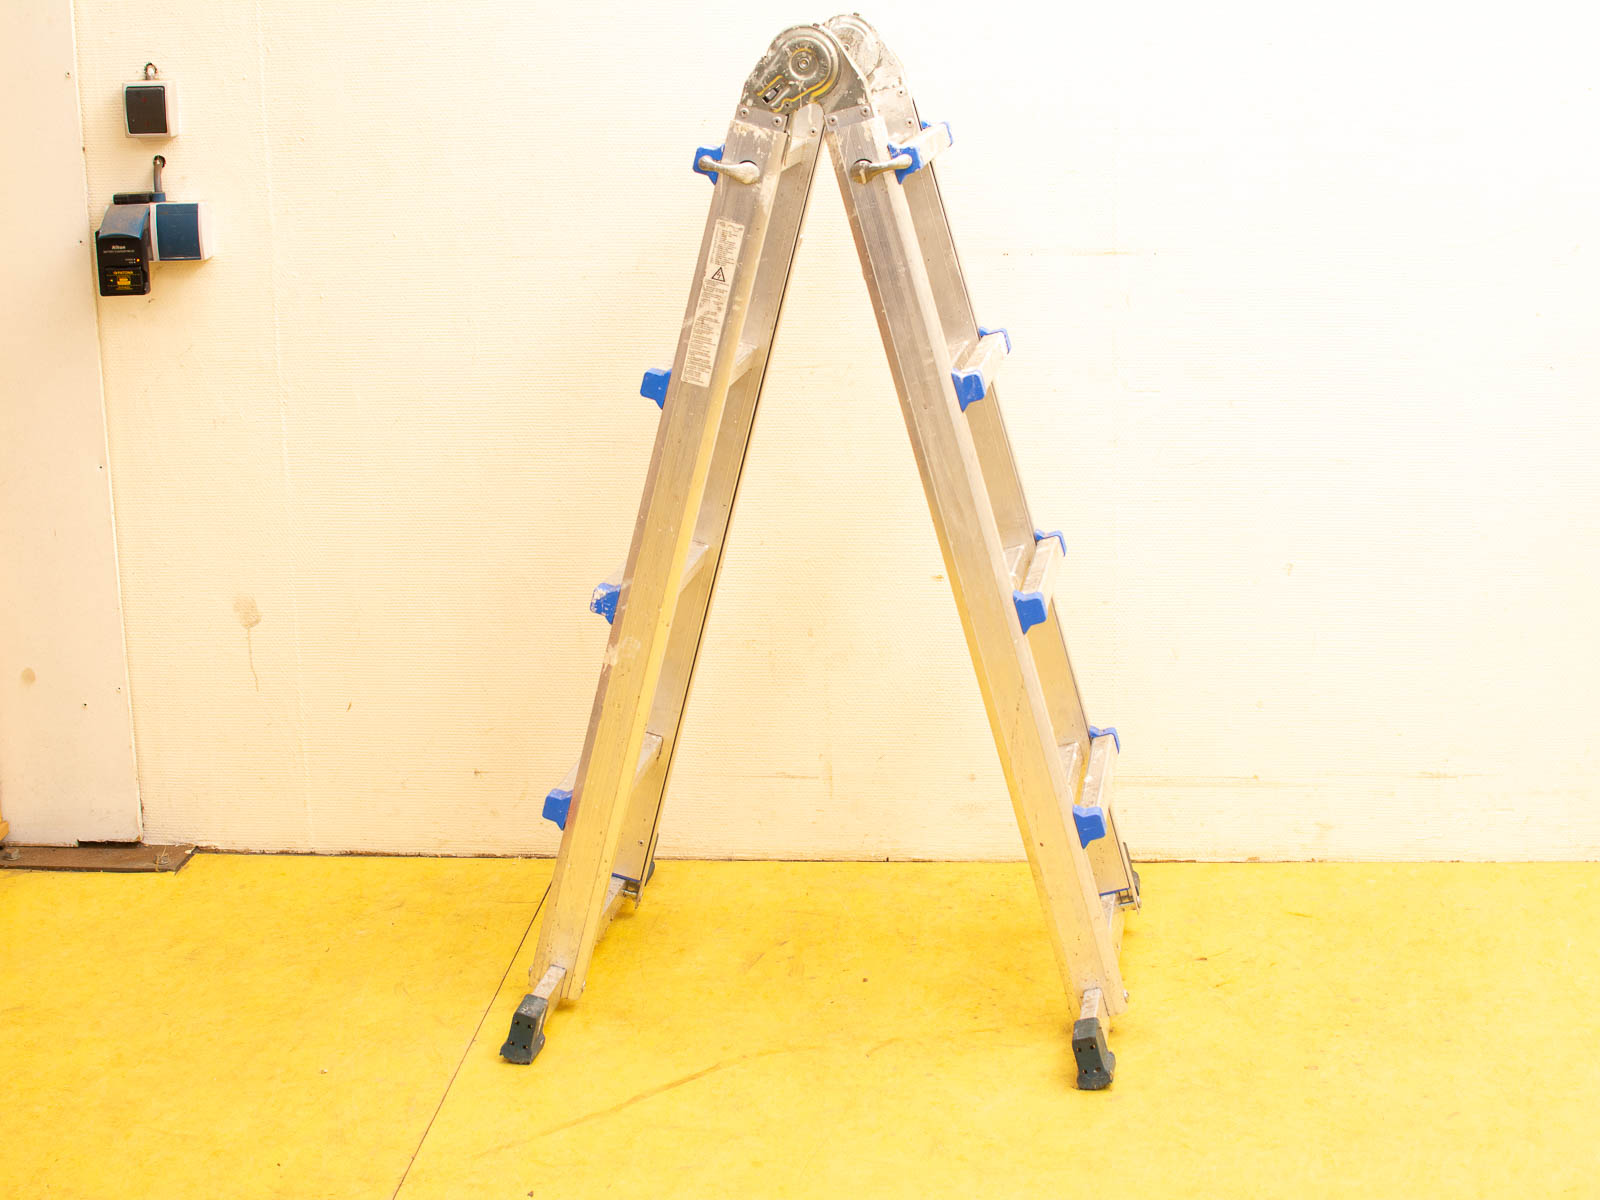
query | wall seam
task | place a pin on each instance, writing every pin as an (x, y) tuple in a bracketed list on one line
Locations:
[(291, 504), (105, 441)]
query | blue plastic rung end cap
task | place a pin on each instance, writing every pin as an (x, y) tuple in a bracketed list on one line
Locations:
[(984, 331), (917, 161), (654, 387), (969, 387), (1032, 608), (1091, 822), (556, 806), (1109, 731), (707, 152), (604, 601), (915, 154), (1040, 535)]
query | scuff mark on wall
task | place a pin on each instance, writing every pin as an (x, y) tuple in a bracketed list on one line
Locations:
[(244, 607)]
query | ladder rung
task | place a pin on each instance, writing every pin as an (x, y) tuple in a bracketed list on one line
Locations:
[(1091, 820), (559, 801), (658, 379), (1108, 855), (975, 370), (1015, 556), (1032, 595), (606, 595), (1115, 919), (1088, 818), (613, 898)]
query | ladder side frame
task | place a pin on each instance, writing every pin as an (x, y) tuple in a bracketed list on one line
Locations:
[(1042, 789), (636, 850), (985, 418), (674, 488), (958, 321)]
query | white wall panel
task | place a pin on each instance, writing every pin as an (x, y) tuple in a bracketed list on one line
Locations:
[(1304, 311), (66, 743)]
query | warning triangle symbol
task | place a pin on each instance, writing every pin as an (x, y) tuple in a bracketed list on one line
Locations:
[(718, 276)]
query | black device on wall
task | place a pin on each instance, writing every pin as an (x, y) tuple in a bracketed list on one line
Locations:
[(141, 228), (123, 250), (149, 107), (124, 246)]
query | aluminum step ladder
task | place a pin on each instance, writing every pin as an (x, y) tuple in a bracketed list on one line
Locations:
[(837, 83)]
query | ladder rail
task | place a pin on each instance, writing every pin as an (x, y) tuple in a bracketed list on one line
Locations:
[(1008, 497), (674, 489), (959, 323), (975, 559), (636, 850)]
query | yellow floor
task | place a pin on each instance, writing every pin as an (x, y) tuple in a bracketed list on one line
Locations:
[(299, 1027)]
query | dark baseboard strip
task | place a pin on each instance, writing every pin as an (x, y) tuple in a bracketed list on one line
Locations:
[(123, 856)]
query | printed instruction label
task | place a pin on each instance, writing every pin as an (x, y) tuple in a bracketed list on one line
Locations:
[(712, 309)]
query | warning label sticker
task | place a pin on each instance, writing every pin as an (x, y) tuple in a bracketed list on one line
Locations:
[(706, 334)]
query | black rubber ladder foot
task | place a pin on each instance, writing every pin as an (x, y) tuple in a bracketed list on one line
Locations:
[(526, 1038), (1096, 1063)]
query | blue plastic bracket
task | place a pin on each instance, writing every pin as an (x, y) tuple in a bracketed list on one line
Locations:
[(1032, 608), (915, 154), (1039, 535), (1109, 731), (556, 806), (604, 600), (707, 152), (654, 387), (970, 387), (1089, 818), (984, 331)]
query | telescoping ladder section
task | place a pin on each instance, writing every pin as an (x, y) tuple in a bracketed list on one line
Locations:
[(837, 83)]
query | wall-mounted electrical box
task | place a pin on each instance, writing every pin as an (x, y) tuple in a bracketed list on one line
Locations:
[(123, 251), (182, 231), (141, 228), (150, 107)]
